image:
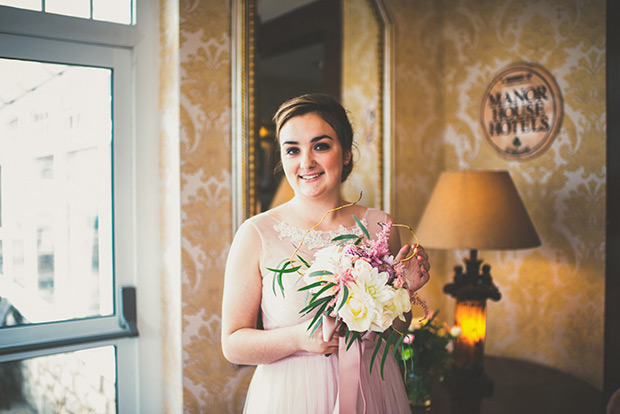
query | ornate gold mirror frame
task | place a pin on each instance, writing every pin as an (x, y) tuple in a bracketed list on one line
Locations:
[(376, 125)]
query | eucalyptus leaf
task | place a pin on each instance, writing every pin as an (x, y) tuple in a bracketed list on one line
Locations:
[(386, 352), (319, 314), (345, 237), (291, 270), (374, 353), (303, 261), (314, 304), (398, 343), (320, 273), (323, 289), (313, 285), (345, 296), (361, 226)]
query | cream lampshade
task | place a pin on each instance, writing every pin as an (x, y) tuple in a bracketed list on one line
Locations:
[(474, 210)]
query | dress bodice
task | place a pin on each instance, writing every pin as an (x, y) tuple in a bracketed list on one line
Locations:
[(278, 243), (306, 382)]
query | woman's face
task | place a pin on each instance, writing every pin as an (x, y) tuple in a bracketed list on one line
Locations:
[(312, 157)]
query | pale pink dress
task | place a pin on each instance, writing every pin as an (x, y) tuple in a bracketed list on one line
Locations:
[(304, 382)]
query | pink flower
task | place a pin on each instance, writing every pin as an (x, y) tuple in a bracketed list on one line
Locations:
[(409, 338)]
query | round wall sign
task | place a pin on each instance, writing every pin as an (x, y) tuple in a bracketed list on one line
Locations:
[(521, 111)]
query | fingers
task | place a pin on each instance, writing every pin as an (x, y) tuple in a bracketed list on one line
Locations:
[(402, 253), (418, 270), (422, 258), (330, 346), (317, 343)]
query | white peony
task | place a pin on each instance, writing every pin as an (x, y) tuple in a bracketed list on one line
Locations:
[(360, 310), (374, 282), (383, 320), (400, 304)]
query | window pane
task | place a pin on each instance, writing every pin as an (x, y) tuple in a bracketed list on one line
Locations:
[(55, 191), (76, 382), (76, 8), (117, 11), (23, 4)]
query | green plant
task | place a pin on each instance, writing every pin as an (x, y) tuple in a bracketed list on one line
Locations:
[(424, 354)]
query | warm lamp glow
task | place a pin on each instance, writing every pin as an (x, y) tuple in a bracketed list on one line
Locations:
[(471, 317), (474, 210)]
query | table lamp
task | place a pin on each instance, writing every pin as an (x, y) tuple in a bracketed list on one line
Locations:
[(474, 210)]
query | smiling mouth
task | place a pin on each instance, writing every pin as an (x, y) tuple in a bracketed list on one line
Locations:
[(310, 177)]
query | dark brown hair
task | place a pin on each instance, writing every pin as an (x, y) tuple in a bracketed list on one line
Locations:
[(329, 110)]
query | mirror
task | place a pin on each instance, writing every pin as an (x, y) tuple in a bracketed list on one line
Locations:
[(282, 48)]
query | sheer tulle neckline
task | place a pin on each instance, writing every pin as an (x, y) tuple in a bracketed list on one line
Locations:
[(315, 239)]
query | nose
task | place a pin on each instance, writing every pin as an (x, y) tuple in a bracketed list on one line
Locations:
[(307, 160)]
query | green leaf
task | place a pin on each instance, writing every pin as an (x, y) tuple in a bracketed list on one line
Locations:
[(291, 270), (346, 237), (361, 226), (386, 351), (278, 275), (314, 328), (314, 304), (320, 273), (313, 285), (280, 283), (374, 353), (303, 261), (345, 296), (319, 315), (398, 343), (354, 336), (323, 289)]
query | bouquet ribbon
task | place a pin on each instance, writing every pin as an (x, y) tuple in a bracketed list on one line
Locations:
[(349, 368), (349, 365)]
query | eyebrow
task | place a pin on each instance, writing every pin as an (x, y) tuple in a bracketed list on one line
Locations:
[(315, 139)]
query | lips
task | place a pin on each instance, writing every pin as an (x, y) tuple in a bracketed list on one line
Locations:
[(311, 176)]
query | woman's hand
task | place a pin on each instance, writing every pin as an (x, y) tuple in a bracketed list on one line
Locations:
[(416, 269), (315, 343)]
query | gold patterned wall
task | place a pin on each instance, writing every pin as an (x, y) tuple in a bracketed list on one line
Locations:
[(210, 383), (361, 60), (447, 54)]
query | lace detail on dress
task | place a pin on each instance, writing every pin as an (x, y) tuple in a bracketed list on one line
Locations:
[(315, 239)]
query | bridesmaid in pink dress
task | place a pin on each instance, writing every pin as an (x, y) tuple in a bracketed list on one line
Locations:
[(296, 372)]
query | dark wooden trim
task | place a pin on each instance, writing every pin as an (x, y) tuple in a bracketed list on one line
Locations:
[(611, 374), (318, 22)]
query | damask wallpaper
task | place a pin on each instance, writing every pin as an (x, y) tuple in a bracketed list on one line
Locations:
[(446, 52), (361, 62), (210, 383)]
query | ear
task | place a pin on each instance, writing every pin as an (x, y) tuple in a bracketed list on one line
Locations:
[(347, 157)]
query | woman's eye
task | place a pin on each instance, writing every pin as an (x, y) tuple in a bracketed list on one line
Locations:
[(291, 151), (322, 146)]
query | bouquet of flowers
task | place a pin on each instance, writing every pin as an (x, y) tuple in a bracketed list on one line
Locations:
[(357, 282)]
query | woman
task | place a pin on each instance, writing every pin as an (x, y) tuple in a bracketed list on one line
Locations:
[(298, 373)]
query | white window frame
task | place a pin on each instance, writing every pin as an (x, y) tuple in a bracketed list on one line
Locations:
[(128, 50)]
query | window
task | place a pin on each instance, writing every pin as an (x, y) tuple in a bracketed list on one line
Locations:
[(33, 385), (55, 154), (116, 11), (68, 163)]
